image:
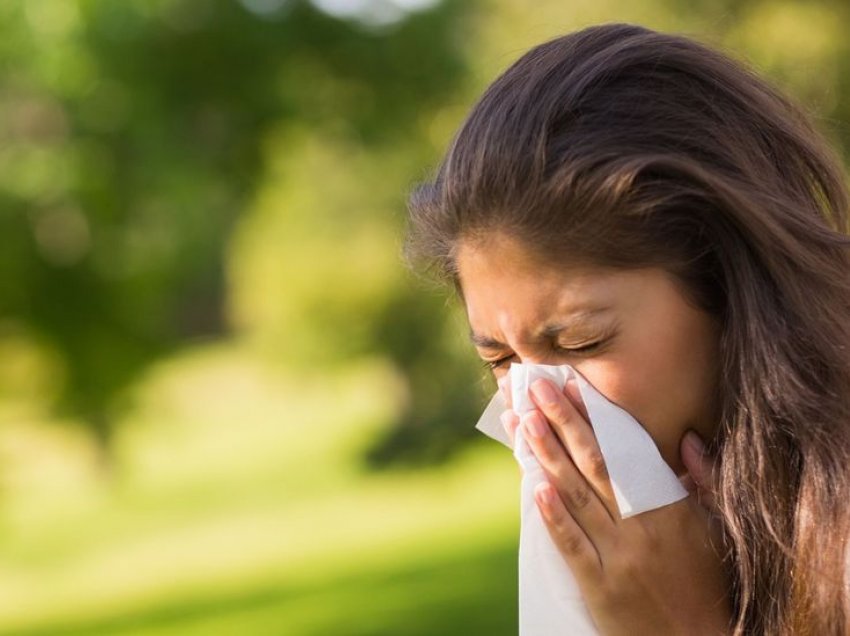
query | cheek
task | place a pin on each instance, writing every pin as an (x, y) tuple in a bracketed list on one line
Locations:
[(632, 386), (665, 386)]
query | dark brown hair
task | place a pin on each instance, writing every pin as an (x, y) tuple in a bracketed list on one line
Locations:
[(620, 146)]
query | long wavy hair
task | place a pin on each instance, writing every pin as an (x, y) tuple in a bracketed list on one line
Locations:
[(620, 146)]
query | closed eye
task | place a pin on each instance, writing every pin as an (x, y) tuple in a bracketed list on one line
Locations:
[(583, 349), (588, 349), (499, 363)]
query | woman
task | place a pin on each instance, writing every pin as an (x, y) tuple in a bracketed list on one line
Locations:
[(640, 207)]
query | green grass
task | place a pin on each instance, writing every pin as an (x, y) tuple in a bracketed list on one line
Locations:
[(239, 505), (459, 592)]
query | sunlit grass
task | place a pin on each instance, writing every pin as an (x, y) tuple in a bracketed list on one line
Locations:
[(238, 504)]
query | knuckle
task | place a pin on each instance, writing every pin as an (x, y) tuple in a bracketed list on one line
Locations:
[(596, 465), (564, 475), (579, 497), (546, 452), (571, 544), (561, 414)]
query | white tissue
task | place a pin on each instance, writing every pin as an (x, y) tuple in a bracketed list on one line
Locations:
[(550, 601)]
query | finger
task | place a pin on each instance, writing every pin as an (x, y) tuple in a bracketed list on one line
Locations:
[(572, 392), (700, 467), (577, 436), (577, 495), (572, 542), (510, 422)]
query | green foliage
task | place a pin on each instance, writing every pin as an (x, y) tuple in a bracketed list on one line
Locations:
[(175, 170), (457, 593), (135, 137)]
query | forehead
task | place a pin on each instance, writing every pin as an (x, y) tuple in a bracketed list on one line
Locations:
[(506, 285)]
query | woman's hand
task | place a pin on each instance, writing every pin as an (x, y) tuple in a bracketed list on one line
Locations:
[(700, 478), (659, 572)]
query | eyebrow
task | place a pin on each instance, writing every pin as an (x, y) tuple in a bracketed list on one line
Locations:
[(547, 332)]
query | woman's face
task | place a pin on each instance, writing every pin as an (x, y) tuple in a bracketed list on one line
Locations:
[(631, 333)]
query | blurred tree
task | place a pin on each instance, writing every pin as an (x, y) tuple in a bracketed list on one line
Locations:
[(136, 137), (132, 137)]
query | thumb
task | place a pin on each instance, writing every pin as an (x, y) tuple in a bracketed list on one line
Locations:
[(700, 467)]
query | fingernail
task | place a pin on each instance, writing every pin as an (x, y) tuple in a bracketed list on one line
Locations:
[(544, 392), (546, 494), (694, 441), (535, 425)]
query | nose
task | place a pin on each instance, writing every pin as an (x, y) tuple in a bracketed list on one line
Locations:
[(536, 356)]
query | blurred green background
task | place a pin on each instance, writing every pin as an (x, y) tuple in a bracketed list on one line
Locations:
[(225, 406)]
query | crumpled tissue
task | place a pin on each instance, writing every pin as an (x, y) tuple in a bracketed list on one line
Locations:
[(550, 601)]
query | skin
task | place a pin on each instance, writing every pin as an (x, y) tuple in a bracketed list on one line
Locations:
[(637, 339)]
